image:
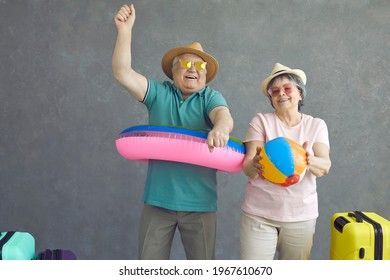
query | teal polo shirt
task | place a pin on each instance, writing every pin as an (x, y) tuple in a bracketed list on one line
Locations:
[(173, 185)]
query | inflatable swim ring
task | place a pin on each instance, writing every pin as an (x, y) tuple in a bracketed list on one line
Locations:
[(179, 144)]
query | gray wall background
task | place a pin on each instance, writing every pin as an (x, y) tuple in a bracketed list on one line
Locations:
[(61, 177)]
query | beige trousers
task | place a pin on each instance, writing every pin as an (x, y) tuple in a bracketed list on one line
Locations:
[(263, 239), (158, 226)]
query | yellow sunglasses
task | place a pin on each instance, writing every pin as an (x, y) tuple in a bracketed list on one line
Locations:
[(187, 64)]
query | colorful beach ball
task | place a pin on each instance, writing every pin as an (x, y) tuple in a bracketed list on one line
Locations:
[(284, 161)]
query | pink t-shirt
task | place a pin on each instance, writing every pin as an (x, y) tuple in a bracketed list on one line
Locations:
[(295, 203)]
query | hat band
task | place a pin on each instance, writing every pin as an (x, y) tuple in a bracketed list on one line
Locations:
[(278, 72)]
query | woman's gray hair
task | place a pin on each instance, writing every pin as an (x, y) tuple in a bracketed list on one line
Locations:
[(292, 78)]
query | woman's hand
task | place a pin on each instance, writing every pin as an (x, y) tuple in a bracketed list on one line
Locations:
[(251, 165), (319, 163), (257, 166)]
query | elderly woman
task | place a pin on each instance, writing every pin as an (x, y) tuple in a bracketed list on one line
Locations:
[(278, 219)]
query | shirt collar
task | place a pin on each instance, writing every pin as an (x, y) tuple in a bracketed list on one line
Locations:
[(178, 91)]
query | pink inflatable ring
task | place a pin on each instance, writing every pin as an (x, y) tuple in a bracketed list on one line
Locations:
[(179, 144)]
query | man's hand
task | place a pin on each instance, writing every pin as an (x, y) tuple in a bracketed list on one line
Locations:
[(125, 17), (217, 138), (223, 125)]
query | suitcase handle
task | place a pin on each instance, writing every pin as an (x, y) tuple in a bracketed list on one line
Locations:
[(357, 218), (339, 223)]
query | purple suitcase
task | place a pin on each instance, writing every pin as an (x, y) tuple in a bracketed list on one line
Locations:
[(56, 254)]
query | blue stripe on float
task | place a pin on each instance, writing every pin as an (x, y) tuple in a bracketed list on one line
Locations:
[(233, 143)]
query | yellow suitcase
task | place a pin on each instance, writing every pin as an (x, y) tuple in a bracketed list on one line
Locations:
[(359, 235)]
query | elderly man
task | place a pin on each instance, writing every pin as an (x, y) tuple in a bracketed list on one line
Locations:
[(176, 195)]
